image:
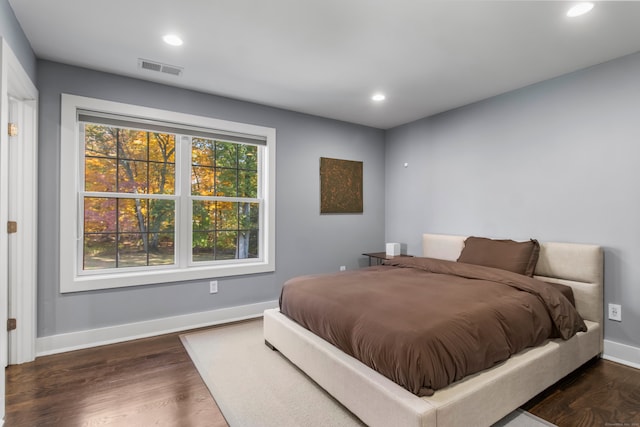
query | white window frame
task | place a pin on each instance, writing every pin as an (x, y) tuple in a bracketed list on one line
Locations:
[(71, 174)]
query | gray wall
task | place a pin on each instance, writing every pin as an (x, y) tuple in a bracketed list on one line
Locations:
[(556, 161), (11, 31), (306, 242)]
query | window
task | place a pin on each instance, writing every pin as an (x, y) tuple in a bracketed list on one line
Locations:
[(151, 196)]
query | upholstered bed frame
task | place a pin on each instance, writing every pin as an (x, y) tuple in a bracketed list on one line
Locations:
[(480, 399)]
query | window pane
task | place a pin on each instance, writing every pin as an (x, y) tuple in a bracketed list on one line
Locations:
[(132, 215), (254, 244), (162, 147), (249, 230), (161, 216), (247, 184), (226, 155), (202, 151), (99, 251), (227, 216), (99, 174), (248, 157), (132, 144), (203, 215), (131, 252), (132, 177), (99, 141), (203, 246), (164, 252), (249, 216), (99, 215), (226, 244), (202, 179), (226, 182), (162, 178)]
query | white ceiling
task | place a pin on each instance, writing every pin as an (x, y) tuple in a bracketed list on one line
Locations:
[(327, 57)]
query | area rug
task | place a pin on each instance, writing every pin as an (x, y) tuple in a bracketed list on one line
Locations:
[(257, 387)]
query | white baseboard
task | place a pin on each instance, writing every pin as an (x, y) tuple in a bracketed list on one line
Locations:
[(622, 353), (95, 337)]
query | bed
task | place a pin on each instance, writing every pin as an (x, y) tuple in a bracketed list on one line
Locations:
[(477, 399)]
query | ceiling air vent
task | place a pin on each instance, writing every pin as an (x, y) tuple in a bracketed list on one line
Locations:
[(145, 64)]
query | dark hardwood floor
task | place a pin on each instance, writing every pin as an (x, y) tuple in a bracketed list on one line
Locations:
[(147, 382), (601, 393), (152, 382)]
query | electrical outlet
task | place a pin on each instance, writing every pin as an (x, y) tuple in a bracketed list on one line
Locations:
[(343, 267), (213, 287), (615, 312)]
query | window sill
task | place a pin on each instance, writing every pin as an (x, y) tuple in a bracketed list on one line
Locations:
[(147, 277)]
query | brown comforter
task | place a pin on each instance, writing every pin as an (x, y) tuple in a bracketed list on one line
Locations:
[(425, 323)]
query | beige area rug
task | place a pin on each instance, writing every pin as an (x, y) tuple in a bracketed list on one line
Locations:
[(257, 387)]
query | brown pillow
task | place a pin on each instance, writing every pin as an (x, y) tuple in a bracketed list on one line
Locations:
[(567, 291), (518, 257)]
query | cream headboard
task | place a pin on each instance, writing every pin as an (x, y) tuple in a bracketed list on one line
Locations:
[(577, 265)]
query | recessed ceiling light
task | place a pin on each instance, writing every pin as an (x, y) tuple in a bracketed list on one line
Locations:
[(172, 39), (579, 9), (378, 97)]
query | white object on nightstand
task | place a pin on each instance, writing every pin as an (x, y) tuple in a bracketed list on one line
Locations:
[(393, 249)]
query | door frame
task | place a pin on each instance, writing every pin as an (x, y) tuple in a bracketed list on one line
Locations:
[(22, 207), (15, 83)]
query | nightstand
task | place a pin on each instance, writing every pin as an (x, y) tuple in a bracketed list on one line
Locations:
[(381, 256)]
